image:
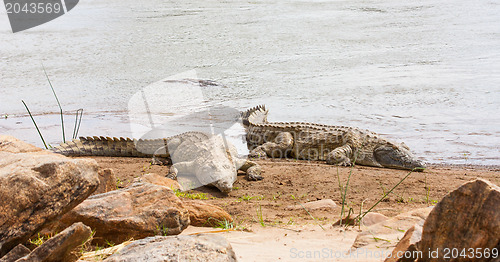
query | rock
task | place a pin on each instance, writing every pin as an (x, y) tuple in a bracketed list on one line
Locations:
[(202, 214), (13, 145), (107, 181), (347, 220), (323, 204), (386, 234), (61, 246), (159, 180), (467, 218), (137, 211), (202, 247), (373, 218), (16, 253), (36, 187), (406, 250), (369, 219)]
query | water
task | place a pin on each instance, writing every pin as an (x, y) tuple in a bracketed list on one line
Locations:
[(423, 72)]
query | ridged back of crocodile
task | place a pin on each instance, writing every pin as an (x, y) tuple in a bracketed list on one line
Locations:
[(255, 115), (107, 146)]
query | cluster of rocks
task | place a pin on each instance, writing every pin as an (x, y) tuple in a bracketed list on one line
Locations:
[(463, 226), (49, 194)]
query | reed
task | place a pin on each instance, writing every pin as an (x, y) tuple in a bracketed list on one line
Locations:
[(59, 104), (36, 126)]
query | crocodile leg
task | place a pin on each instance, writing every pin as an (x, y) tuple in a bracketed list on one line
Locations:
[(340, 156), (181, 167), (282, 145), (251, 168), (161, 161)]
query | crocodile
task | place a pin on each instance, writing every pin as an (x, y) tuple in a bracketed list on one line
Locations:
[(337, 145), (209, 157)]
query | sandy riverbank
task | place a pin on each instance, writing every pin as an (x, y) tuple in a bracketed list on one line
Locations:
[(293, 235)]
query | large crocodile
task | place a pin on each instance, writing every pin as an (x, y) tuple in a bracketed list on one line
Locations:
[(337, 145), (212, 160)]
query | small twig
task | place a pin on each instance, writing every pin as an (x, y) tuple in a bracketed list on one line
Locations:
[(386, 194), (361, 211), (312, 216), (40, 133), (346, 186)]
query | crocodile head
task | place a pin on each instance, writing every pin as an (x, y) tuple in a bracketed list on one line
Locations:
[(397, 156), (219, 175)]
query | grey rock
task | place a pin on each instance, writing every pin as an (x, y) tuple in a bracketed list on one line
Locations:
[(202, 247)]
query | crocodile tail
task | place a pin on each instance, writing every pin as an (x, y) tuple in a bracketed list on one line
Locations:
[(107, 146), (254, 115)]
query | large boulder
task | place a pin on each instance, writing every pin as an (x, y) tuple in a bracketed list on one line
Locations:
[(62, 246), (137, 211), (465, 219), (202, 247), (36, 187)]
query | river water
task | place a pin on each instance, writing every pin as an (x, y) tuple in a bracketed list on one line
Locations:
[(423, 72)]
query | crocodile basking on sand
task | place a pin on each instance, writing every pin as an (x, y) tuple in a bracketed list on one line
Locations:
[(211, 159), (337, 145)]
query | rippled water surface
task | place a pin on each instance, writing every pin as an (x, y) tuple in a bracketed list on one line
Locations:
[(423, 72)]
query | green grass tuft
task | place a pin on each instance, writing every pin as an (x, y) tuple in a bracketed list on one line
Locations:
[(179, 193)]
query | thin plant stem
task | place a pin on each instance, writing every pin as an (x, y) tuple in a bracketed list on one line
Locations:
[(346, 186), (36, 126), (386, 194), (341, 194), (312, 216), (59, 104), (360, 211)]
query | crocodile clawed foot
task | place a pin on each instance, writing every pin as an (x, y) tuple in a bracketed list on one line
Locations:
[(257, 153), (172, 174), (161, 161), (339, 163), (256, 156), (254, 177), (253, 173), (345, 164)]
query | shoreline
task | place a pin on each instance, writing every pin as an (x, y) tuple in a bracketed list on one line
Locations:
[(117, 125)]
